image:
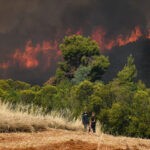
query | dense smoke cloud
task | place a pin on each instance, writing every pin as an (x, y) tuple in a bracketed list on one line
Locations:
[(53, 16), (48, 20)]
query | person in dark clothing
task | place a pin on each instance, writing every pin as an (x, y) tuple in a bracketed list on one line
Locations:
[(93, 123), (85, 120)]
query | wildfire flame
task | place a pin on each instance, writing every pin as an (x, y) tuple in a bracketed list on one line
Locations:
[(48, 51), (29, 58), (4, 65), (148, 35), (99, 36)]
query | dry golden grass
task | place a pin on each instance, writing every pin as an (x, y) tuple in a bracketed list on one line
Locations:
[(15, 120)]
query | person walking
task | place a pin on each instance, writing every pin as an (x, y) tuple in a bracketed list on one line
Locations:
[(93, 123), (85, 120)]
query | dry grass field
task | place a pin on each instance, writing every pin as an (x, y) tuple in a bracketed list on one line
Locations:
[(15, 120), (33, 131)]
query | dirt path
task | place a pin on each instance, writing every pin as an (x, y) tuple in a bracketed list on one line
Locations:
[(69, 140)]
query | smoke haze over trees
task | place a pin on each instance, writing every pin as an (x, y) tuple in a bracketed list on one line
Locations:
[(48, 20)]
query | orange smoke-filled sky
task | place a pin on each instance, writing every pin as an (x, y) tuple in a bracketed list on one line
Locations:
[(29, 56), (31, 31)]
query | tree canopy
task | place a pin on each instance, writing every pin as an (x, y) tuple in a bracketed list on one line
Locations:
[(75, 47), (82, 59)]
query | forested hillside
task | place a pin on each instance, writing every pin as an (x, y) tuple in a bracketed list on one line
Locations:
[(122, 106)]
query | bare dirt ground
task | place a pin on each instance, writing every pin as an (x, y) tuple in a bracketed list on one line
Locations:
[(56, 139)]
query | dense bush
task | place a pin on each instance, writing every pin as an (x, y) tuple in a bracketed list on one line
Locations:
[(82, 60)]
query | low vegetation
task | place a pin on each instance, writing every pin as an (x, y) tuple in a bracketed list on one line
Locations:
[(19, 120)]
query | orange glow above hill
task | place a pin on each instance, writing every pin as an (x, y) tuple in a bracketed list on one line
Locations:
[(99, 36), (29, 57), (34, 55)]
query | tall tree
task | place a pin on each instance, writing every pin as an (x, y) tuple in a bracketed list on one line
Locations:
[(75, 47), (82, 60), (129, 72)]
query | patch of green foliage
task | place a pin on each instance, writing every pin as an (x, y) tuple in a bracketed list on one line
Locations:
[(82, 60)]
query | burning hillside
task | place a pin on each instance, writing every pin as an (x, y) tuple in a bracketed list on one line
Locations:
[(34, 55), (30, 34)]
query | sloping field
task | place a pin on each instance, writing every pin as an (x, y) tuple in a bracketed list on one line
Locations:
[(24, 121), (58, 139)]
